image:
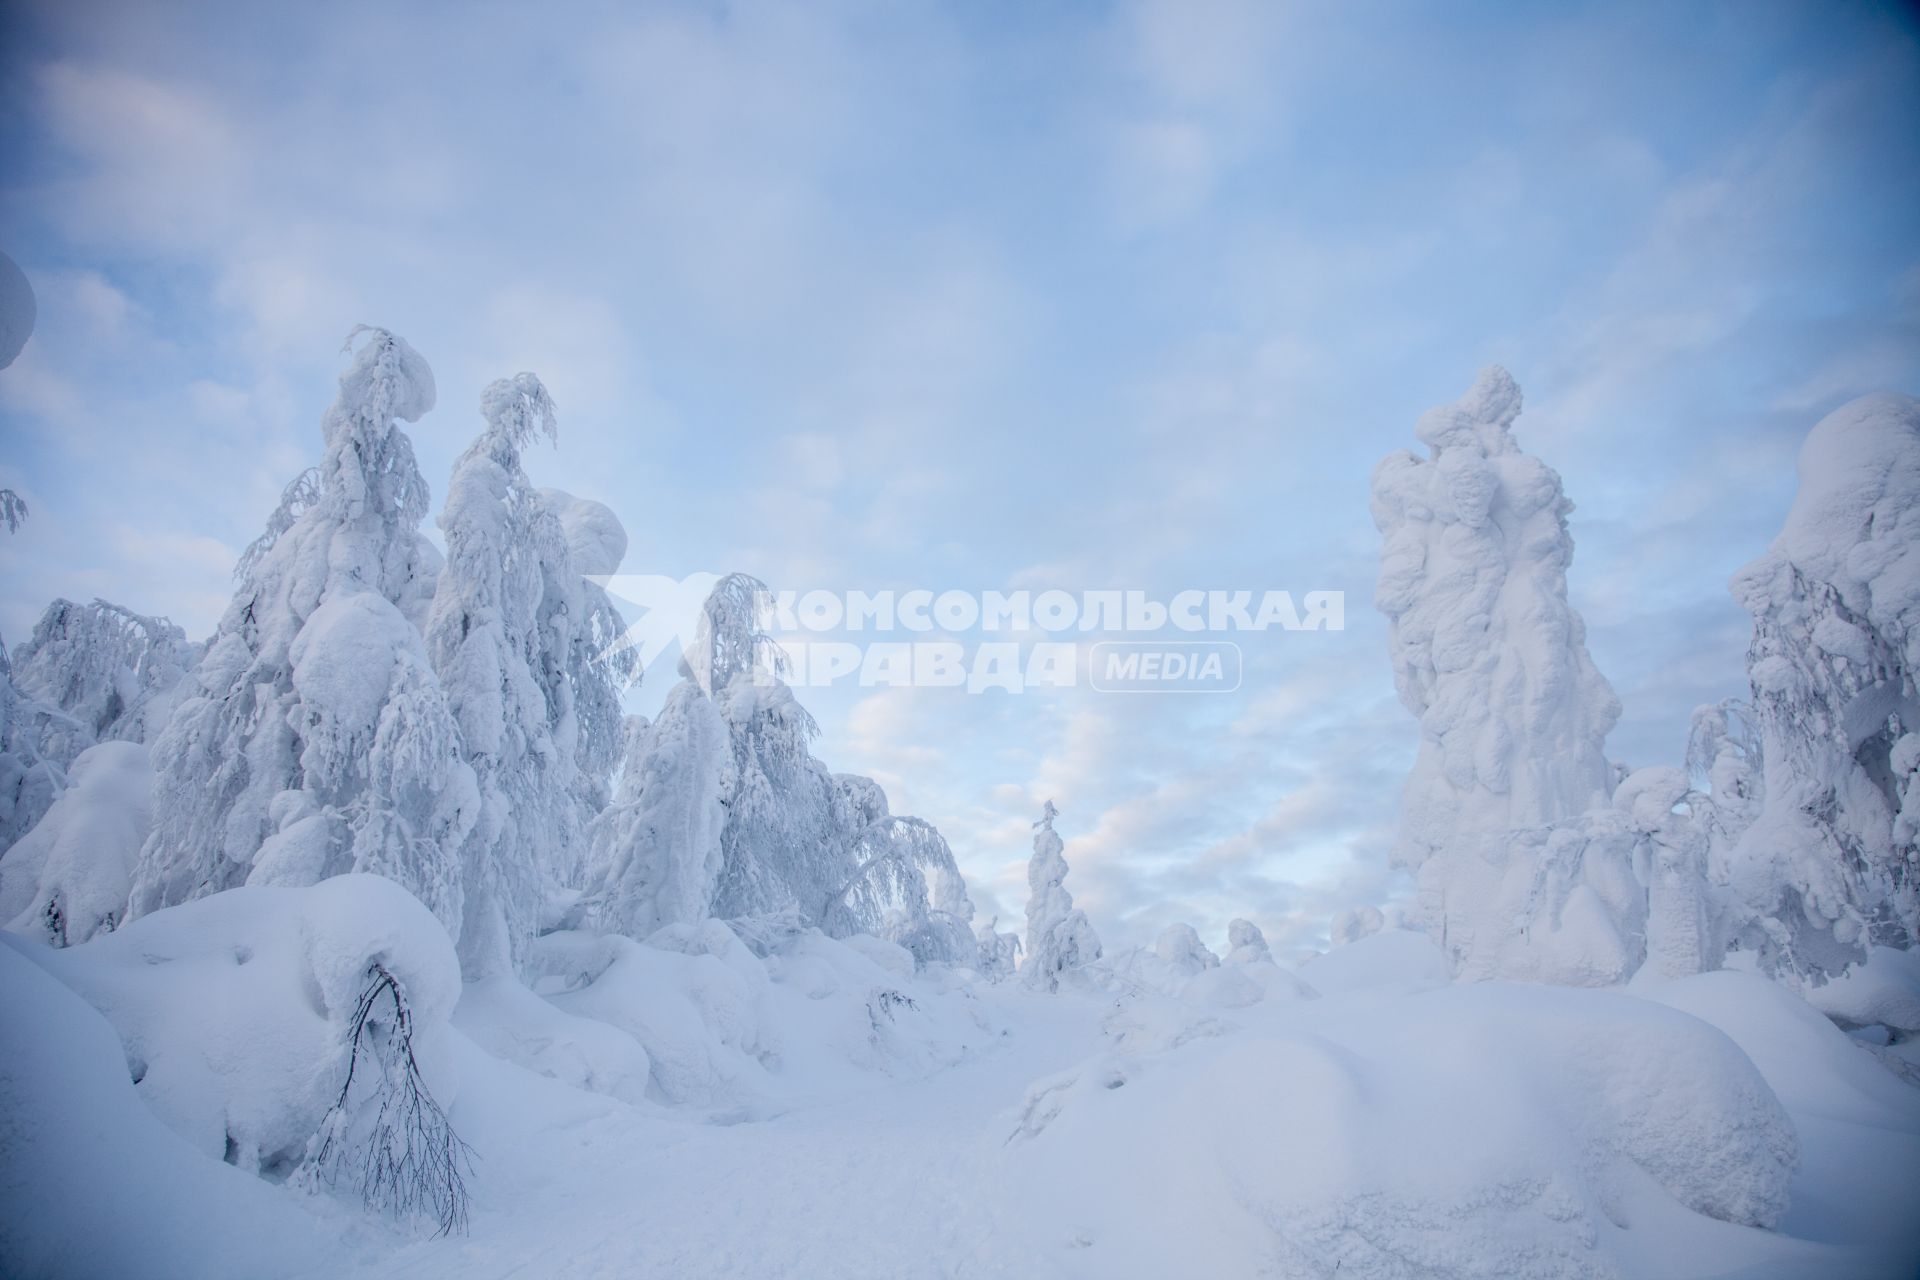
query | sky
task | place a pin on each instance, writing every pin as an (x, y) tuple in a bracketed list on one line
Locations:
[(987, 296)]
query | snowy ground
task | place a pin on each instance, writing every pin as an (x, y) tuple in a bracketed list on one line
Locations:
[(1226, 1123)]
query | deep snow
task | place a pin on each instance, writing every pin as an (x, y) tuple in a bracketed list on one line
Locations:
[(1147, 1121)]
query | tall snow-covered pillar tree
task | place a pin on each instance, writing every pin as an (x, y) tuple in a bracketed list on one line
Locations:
[(1490, 656), (487, 637), (1831, 864), (1059, 939), (315, 738)]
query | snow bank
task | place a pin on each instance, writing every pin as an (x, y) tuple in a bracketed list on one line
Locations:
[(234, 1009), (1884, 990), (91, 1182), (1481, 1131), (725, 1030)]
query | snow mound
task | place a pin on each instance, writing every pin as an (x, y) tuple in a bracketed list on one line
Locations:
[(1882, 991), (91, 1182), (1814, 1067), (1390, 958), (1485, 1131), (513, 1024), (739, 1034), (235, 1009)]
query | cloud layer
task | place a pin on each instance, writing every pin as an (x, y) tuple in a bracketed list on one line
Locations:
[(863, 295)]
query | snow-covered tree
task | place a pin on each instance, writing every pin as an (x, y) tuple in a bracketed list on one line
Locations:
[(584, 631), (786, 842), (89, 673), (13, 510), (1180, 947), (490, 642), (1245, 943), (999, 952), (1830, 865), (1355, 923), (68, 878), (100, 673), (314, 738), (1723, 764), (1059, 939), (654, 856), (905, 886), (723, 810), (1685, 919), (1492, 659)]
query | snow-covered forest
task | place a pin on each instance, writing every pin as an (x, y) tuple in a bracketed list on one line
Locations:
[(368, 923), (926, 641)]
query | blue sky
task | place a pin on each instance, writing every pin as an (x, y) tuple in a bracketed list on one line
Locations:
[(992, 295)]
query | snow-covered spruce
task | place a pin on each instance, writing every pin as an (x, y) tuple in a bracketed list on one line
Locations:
[(1513, 714), (315, 738), (1059, 939), (1831, 864)]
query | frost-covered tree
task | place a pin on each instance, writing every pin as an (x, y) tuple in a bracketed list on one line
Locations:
[(13, 510), (315, 738), (491, 638), (1059, 939), (1490, 656), (1830, 865)]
